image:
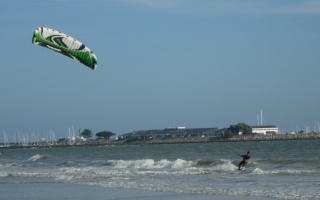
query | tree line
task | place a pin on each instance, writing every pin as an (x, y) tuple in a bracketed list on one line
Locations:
[(87, 134), (242, 128)]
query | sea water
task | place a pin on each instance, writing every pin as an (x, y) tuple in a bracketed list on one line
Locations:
[(277, 169)]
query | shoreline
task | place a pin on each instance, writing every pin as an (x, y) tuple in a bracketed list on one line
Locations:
[(244, 138), (56, 190)]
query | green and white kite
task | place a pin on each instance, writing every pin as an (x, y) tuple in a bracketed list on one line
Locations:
[(65, 45)]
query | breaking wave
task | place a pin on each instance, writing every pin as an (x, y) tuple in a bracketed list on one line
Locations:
[(37, 157), (259, 171), (151, 164)]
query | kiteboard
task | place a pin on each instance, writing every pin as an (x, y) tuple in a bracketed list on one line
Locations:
[(242, 169)]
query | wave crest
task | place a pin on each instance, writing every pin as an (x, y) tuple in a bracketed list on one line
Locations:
[(37, 157), (150, 164)]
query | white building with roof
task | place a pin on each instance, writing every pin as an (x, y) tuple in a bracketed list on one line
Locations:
[(271, 129)]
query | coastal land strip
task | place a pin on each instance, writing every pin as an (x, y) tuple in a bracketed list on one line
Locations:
[(240, 138)]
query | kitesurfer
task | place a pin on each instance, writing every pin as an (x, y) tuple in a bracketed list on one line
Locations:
[(245, 159)]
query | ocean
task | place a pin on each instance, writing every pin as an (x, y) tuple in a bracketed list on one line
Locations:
[(277, 170)]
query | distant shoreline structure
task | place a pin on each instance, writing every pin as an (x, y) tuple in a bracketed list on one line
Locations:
[(242, 138)]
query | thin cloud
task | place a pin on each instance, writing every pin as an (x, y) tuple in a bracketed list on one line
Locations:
[(303, 7), (233, 6)]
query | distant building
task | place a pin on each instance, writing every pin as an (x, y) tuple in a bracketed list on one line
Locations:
[(265, 129)]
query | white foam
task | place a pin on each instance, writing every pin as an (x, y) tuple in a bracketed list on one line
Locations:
[(8, 165), (4, 174), (225, 166), (36, 157), (283, 172), (257, 171), (179, 163), (292, 171), (151, 164)]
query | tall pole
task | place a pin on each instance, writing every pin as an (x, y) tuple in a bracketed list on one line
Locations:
[(261, 117)]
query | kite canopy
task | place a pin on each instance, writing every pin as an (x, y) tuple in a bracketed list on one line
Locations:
[(65, 45)]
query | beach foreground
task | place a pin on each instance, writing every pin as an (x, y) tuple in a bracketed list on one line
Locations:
[(55, 191)]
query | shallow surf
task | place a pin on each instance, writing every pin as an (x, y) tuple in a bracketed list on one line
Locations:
[(188, 170)]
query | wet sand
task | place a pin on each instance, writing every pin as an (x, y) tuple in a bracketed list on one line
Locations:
[(31, 190)]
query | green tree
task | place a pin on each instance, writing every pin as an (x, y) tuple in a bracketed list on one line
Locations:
[(227, 133), (241, 127), (244, 128), (86, 133), (104, 135)]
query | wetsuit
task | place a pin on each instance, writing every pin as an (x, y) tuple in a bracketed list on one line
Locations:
[(244, 161)]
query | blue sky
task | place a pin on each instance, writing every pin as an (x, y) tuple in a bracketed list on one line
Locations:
[(161, 63)]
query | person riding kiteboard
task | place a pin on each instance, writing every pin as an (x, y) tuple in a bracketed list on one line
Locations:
[(245, 160)]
